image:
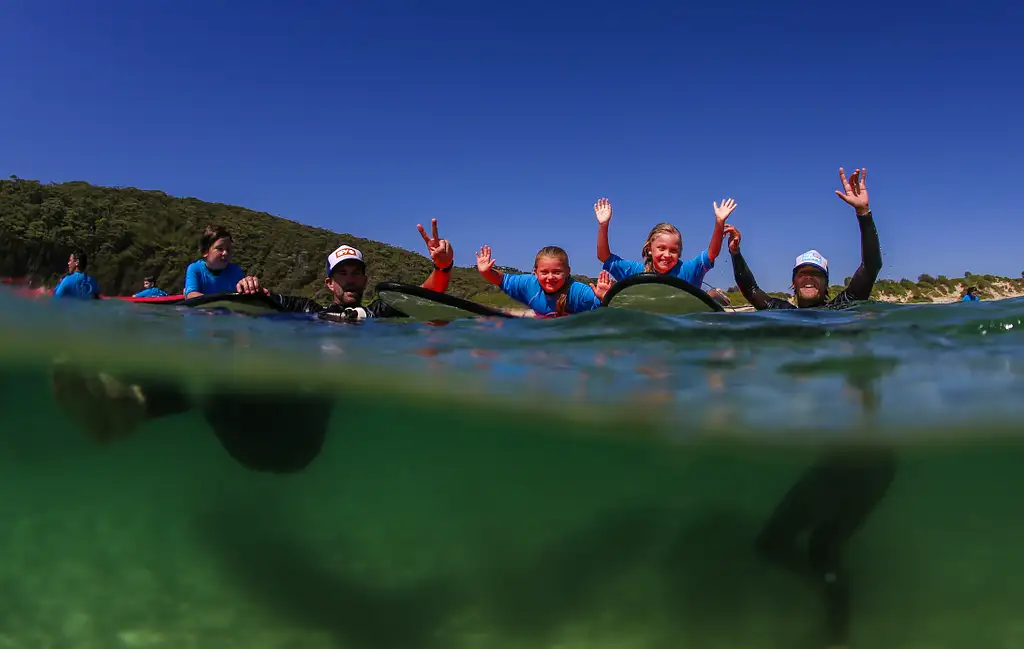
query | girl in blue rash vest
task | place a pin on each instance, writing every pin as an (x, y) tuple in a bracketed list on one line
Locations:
[(662, 249), (215, 273), (550, 289)]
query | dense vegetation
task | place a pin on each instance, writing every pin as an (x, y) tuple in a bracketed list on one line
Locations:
[(130, 233)]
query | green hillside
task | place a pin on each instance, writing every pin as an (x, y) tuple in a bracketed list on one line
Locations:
[(130, 233)]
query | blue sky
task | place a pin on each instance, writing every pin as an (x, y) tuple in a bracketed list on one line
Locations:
[(506, 121)]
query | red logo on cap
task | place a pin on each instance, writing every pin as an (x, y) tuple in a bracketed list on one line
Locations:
[(345, 250)]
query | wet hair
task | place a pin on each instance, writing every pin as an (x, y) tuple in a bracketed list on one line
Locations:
[(81, 258), (971, 290), (150, 279), (554, 252), (661, 228), (210, 236)]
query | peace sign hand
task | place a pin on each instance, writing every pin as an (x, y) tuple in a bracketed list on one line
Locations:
[(855, 191), (439, 249)]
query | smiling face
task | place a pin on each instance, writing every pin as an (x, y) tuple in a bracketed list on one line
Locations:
[(551, 272), (665, 251), (810, 285), (347, 283), (218, 256), (72, 263)]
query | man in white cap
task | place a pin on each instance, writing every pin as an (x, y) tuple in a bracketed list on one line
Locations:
[(346, 280), (810, 272)]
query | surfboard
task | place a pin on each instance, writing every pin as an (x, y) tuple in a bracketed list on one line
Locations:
[(255, 304), (162, 299), (423, 304), (659, 294)]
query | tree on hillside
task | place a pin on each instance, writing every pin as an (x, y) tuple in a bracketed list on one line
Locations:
[(925, 279)]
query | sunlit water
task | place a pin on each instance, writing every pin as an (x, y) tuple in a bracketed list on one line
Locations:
[(597, 481)]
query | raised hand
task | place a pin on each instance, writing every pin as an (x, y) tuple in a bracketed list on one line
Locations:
[(603, 210), (484, 263), (733, 233), (439, 249), (723, 212), (604, 282), (855, 190)]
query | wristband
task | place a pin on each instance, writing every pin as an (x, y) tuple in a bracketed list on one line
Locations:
[(445, 270)]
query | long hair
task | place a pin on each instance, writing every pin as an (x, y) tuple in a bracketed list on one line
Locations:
[(661, 228), (554, 252)]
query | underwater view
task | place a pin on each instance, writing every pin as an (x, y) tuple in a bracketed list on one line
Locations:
[(183, 479)]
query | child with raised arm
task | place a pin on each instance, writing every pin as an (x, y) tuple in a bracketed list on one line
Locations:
[(661, 252), (550, 289)]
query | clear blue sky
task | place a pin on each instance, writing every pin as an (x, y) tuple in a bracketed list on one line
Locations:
[(507, 120)]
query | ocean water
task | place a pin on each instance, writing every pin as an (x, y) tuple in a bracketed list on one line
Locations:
[(598, 481)]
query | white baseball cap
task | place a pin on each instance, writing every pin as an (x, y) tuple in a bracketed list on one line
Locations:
[(811, 258), (344, 252)]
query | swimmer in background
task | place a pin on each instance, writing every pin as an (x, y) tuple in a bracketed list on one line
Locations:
[(149, 288), (77, 284), (971, 294)]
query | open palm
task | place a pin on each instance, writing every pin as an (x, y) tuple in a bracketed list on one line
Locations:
[(603, 210), (484, 262), (604, 282)]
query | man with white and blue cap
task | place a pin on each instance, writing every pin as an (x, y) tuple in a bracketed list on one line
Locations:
[(830, 502), (810, 271)]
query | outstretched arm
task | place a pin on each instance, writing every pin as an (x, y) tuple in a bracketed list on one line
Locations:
[(855, 193), (485, 264), (603, 211), (745, 279), (443, 257), (721, 214)]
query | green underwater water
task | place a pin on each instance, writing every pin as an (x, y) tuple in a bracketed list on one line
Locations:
[(592, 484)]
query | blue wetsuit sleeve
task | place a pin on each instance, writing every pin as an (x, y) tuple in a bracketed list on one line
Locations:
[(193, 281), (60, 289), (694, 270), (620, 268), (518, 287), (582, 298)]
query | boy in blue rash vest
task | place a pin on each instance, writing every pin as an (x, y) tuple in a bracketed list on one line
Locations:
[(550, 290), (215, 273), (77, 284), (149, 288), (662, 249), (971, 295)]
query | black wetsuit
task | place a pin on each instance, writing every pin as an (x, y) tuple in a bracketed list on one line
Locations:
[(860, 284), (834, 497), (376, 309), (830, 502)]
